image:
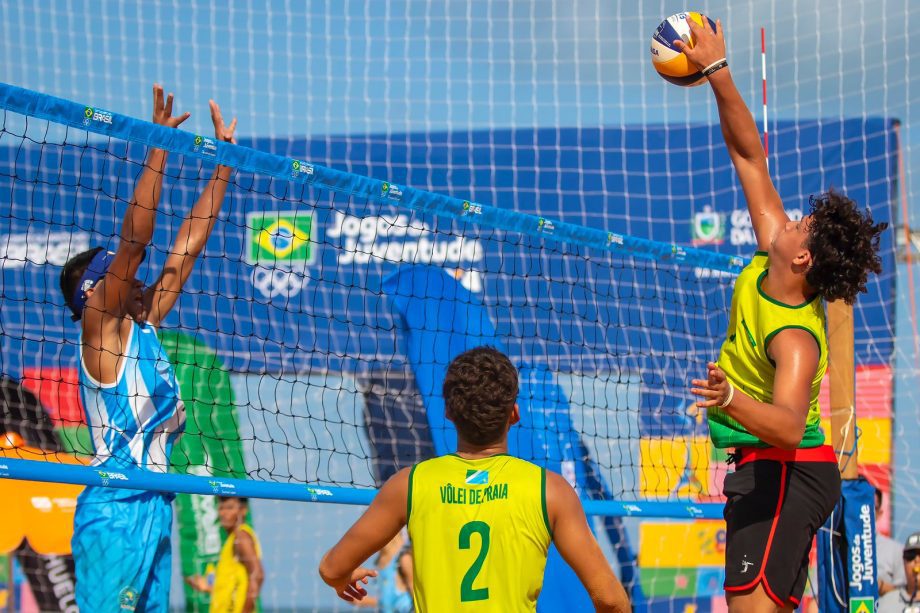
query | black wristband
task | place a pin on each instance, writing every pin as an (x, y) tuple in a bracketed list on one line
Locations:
[(719, 65)]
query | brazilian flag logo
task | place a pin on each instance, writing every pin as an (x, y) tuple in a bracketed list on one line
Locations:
[(280, 238)]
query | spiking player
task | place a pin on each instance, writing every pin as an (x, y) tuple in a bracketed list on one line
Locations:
[(762, 396)]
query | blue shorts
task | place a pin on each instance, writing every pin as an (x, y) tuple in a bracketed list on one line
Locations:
[(121, 550)]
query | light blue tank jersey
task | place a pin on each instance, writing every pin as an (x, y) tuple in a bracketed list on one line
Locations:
[(135, 421)]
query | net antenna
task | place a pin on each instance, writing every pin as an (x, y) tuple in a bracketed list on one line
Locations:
[(763, 71)]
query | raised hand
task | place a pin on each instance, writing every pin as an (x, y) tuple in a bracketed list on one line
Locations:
[(708, 45), (222, 132), (162, 111)]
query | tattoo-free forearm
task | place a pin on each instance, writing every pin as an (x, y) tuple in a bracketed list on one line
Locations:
[(140, 218), (775, 425), (738, 128), (196, 229)]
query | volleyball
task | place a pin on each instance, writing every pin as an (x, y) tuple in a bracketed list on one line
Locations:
[(668, 60)]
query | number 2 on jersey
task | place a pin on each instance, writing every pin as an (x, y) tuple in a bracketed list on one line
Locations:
[(467, 592)]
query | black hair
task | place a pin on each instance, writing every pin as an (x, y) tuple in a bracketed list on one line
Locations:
[(480, 389), (242, 499), (844, 243)]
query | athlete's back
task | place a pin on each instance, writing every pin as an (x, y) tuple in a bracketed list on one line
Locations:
[(480, 533), (480, 521)]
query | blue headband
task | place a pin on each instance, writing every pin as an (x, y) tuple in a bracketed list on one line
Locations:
[(93, 274)]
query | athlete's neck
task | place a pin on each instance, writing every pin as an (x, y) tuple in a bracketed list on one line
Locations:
[(470, 451), (789, 288)]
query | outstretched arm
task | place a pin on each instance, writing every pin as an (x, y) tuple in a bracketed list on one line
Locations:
[(108, 304), (740, 133), (193, 234), (579, 549), (341, 567), (112, 298)]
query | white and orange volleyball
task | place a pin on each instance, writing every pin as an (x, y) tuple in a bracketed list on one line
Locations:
[(670, 62)]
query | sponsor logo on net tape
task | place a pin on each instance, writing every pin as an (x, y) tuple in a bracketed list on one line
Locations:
[(391, 191), (93, 115), (108, 476), (204, 145), (316, 493), (222, 487), (301, 169), (471, 208)]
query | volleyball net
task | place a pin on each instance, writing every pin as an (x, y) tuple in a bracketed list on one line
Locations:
[(311, 339), (324, 288)]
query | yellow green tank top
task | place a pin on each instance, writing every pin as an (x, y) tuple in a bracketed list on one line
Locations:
[(480, 533), (231, 579), (754, 321)]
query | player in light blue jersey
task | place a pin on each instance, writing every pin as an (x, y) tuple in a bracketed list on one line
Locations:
[(130, 395)]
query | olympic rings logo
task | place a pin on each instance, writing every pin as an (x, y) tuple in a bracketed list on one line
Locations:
[(274, 283)]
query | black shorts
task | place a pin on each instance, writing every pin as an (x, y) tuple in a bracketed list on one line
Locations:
[(776, 501)]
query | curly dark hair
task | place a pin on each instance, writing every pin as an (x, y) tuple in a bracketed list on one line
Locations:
[(71, 273), (480, 389), (844, 243)]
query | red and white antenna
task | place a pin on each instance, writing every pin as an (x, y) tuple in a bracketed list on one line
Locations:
[(763, 70)]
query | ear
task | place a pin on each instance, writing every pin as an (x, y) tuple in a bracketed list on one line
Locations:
[(803, 258), (515, 416)]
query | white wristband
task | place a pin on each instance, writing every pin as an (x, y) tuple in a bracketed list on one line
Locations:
[(717, 65), (731, 396)]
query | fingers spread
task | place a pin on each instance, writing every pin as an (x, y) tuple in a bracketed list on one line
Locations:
[(708, 26)]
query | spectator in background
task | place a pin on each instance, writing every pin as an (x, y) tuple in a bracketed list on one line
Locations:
[(394, 578), (907, 598), (239, 573), (888, 555)]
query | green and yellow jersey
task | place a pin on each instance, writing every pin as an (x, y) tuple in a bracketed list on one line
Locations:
[(754, 321), (480, 533), (231, 579)]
